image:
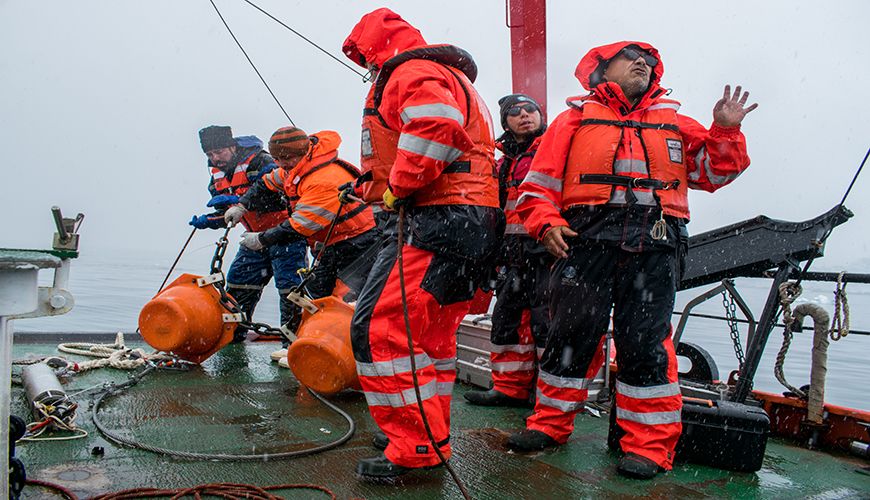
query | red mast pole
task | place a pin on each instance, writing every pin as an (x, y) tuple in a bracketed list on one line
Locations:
[(527, 21)]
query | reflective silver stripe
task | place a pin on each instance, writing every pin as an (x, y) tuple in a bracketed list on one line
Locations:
[(444, 388), (427, 391), (513, 366), (520, 348), (306, 222), (655, 391), (429, 149), (515, 229), (651, 418), (404, 398), (322, 212), (643, 197), (695, 175), (536, 195), (444, 364), (702, 160), (218, 175), (563, 382), (432, 111), (630, 167), (390, 368), (664, 105), (543, 180), (244, 287), (561, 404), (540, 352), (510, 205)]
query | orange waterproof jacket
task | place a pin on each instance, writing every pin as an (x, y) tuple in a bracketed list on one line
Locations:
[(426, 131), (603, 133), (312, 189)]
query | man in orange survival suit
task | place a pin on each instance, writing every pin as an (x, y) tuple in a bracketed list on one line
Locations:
[(427, 140), (607, 195), (310, 175), (520, 318)]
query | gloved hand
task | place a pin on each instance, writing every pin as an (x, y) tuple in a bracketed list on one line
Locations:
[(234, 214), (392, 202), (251, 241), (222, 200), (347, 193), (207, 221)]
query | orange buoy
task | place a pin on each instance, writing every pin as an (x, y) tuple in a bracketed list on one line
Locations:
[(321, 356), (186, 320)]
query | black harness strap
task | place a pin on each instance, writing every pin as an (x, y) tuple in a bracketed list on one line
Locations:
[(629, 183), (631, 124)]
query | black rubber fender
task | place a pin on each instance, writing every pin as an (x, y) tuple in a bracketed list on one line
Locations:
[(704, 369)]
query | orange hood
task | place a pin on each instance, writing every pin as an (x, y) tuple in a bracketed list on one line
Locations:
[(380, 35)]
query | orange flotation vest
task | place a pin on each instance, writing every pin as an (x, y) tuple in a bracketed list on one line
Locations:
[(470, 180), (593, 150)]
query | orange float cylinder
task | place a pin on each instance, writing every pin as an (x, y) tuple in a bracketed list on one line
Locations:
[(186, 320), (321, 357)]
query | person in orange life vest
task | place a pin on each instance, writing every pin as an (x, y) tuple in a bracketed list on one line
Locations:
[(427, 143), (520, 317), (607, 195), (309, 177), (235, 165)]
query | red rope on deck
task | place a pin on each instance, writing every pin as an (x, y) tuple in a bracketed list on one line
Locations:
[(51, 486), (230, 491)]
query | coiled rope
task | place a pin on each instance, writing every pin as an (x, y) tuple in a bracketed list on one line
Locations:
[(230, 491)]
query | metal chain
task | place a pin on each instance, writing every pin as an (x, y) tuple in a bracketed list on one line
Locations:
[(731, 319), (229, 303)]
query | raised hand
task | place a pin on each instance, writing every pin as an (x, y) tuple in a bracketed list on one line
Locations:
[(730, 110)]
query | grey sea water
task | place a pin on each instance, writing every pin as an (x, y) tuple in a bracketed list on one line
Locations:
[(111, 289)]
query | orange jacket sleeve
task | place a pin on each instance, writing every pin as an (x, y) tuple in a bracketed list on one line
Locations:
[(540, 200), (317, 205), (714, 157), (426, 104)]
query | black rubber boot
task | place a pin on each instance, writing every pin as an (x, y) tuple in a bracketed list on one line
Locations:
[(529, 440), (379, 467), (380, 440), (637, 467), (493, 397)]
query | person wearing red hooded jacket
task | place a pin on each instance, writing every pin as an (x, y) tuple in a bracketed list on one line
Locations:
[(607, 195), (427, 144), (521, 316), (309, 177)]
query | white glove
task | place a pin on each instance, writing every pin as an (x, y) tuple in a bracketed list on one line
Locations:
[(234, 214), (251, 241)]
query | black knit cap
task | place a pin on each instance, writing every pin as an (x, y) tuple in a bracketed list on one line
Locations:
[(511, 100), (216, 137)]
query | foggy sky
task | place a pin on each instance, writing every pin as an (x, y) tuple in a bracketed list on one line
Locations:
[(102, 100)]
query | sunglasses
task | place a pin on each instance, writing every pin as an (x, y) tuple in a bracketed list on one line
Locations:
[(516, 110), (632, 54)]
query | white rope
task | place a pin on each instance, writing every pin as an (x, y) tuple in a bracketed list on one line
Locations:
[(840, 321), (115, 355)]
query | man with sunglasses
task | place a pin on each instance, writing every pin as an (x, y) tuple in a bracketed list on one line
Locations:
[(236, 163), (520, 317), (607, 195)]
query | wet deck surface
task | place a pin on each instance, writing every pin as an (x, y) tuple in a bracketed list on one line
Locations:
[(240, 403)]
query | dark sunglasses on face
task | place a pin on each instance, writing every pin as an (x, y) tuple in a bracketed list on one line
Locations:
[(632, 54), (516, 110)]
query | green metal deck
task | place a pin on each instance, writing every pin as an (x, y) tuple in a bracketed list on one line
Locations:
[(239, 402)]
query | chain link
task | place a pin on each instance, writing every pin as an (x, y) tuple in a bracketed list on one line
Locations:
[(731, 319), (227, 301)]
